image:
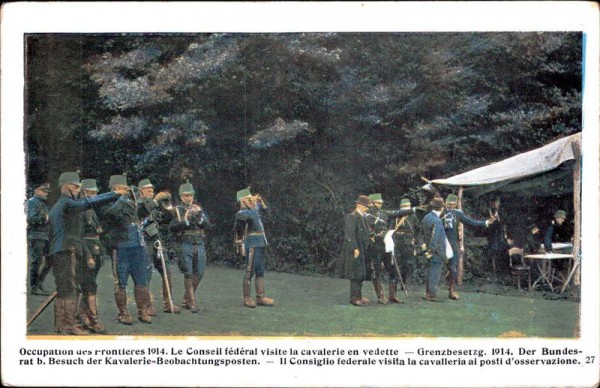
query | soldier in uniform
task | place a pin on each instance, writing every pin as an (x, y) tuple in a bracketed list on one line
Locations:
[(67, 249), (88, 269), (451, 218), (435, 237), (153, 214), (377, 221), (558, 230), (188, 227), (408, 238), (37, 238), (497, 235), (127, 237), (249, 225), (355, 263)]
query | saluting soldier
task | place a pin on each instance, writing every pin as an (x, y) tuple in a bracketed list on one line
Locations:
[(128, 240), (435, 237), (248, 224), (67, 248), (408, 239), (451, 218), (153, 215), (377, 220), (356, 265), (89, 267), (38, 224), (188, 228)]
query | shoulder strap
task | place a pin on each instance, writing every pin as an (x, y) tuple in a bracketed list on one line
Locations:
[(178, 215)]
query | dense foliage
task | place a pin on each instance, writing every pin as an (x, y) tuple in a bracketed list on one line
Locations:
[(309, 120)]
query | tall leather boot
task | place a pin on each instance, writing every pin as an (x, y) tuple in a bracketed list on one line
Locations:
[(142, 300), (248, 301), (69, 325), (168, 306), (94, 326), (261, 299), (393, 297), (121, 300), (195, 284), (452, 294), (82, 310), (150, 310), (379, 291), (58, 314), (191, 297)]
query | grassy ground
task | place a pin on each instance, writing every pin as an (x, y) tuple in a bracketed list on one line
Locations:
[(318, 306)]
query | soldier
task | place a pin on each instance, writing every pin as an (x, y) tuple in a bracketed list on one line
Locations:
[(37, 238), (451, 218), (437, 252), (67, 248), (153, 214), (249, 225), (558, 230), (188, 228), (408, 238), (356, 266), (497, 235), (126, 236), (88, 269), (377, 220)]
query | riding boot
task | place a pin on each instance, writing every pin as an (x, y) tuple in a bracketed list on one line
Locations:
[(142, 299), (168, 305), (150, 310), (379, 291), (92, 310), (195, 283), (190, 296), (121, 300), (58, 314), (393, 298), (82, 313), (452, 294), (248, 301), (261, 299), (69, 325)]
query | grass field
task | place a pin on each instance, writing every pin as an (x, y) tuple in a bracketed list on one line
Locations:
[(318, 306)]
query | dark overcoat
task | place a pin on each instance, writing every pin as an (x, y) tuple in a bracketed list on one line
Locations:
[(435, 235), (356, 235)]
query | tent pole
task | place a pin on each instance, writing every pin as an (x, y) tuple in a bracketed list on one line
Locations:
[(461, 241), (577, 212)]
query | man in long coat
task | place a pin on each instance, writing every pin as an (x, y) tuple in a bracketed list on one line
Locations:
[(356, 265), (435, 238)]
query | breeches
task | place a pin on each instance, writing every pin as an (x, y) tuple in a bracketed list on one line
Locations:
[(255, 262), (64, 268), (381, 260), (37, 249), (86, 276), (132, 261), (193, 261)]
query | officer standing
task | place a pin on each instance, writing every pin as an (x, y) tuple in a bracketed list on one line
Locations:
[(558, 230), (153, 214), (87, 271), (37, 238), (188, 228), (435, 237), (377, 220), (248, 224), (451, 218), (126, 236), (67, 248), (408, 237)]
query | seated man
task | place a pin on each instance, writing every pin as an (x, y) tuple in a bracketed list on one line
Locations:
[(558, 231)]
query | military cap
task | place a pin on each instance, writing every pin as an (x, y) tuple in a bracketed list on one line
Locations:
[(375, 198), (405, 202), (451, 198), (437, 202), (243, 194), (42, 186), (186, 188), (560, 214), (117, 180), (363, 200), (145, 183), (89, 185), (69, 177)]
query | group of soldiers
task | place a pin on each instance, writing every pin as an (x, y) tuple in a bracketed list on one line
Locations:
[(72, 239), (376, 240)]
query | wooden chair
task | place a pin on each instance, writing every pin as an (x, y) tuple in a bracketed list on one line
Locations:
[(518, 266)]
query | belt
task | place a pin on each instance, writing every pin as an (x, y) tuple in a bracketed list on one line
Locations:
[(256, 234)]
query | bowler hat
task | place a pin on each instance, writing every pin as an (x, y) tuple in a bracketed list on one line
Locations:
[(69, 177), (89, 185), (437, 203), (560, 214), (186, 188), (362, 200), (451, 199), (145, 183), (243, 194), (375, 198), (405, 202), (117, 180)]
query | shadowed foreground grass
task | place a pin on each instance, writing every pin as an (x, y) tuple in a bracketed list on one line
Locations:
[(318, 306)]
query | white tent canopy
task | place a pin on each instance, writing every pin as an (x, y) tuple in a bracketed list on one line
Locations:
[(546, 170)]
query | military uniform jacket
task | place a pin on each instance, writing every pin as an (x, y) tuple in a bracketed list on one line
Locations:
[(451, 218), (409, 232), (377, 220), (557, 233), (66, 224), (124, 224), (435, 235), (192, 231), (356, 235), (38, 223), (92, 231), (248, 224)]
